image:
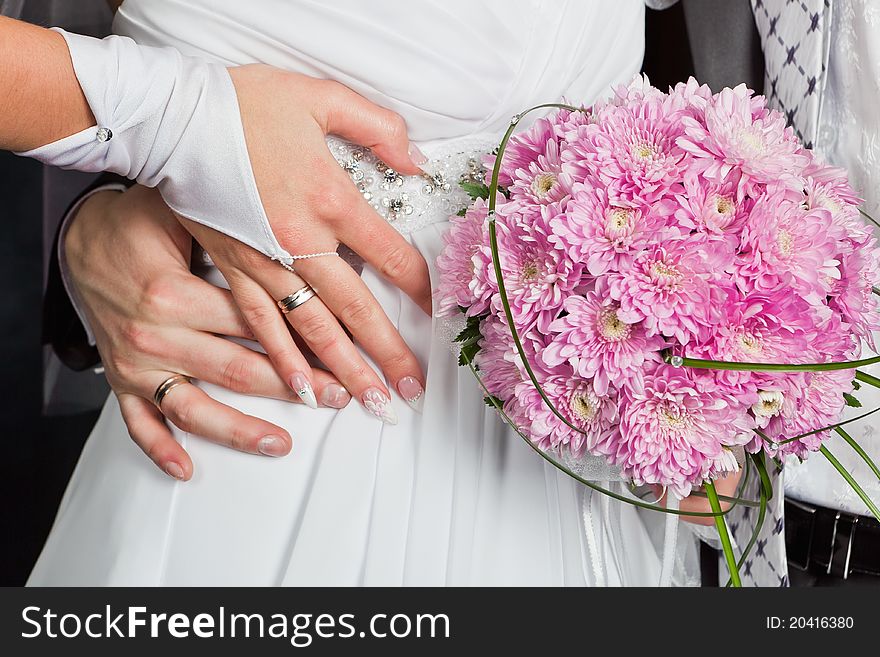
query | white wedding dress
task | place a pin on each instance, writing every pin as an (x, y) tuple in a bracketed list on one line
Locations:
[(446, 497)]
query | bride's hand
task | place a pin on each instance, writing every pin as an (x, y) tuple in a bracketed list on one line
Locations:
[(700, 503), (128, 259), (313, 206)]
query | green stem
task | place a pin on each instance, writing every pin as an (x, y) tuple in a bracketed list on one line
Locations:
[(702, 364), (852, 482), (864, 377), (766, 484), (829, 427), (759, 524), (496, 260), (721, 525), (766, 494), (858, 450), (869, 217)]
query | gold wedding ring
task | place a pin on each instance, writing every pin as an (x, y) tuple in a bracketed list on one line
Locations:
[(167, 386), (296, 299)]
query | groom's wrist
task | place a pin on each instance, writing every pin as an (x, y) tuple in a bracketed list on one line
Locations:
[(65, 326)]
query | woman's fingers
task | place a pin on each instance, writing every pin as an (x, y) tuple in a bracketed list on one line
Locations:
[(343, 112), (192, 410), (379, 244), (348, 298), (266, 322), (325, 337), (147, 428)]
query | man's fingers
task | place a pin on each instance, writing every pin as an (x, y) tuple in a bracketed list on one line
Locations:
[(237, 368), (148, 430), (700, 504), (348, 298), (192, 410), (212, 309), (351, 116)]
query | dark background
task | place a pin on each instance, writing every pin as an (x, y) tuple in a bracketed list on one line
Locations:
[(40, 450)]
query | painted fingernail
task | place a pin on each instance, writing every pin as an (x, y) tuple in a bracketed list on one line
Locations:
[(272, 446), (412, 392), (416, 155), (378, 403), (174, 470), (335, 396), (303, 389)]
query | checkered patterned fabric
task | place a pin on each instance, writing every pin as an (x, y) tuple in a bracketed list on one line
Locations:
[(795, 37), (766, 564)]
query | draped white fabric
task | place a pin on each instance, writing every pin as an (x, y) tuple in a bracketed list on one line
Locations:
[(447, 497)]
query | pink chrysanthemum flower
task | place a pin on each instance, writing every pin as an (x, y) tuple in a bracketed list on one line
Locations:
[(594, 414), (636, 93), (676, 428), (630, 149), (543, 181), (537, 275), (693, 95), (605, 233), (838, 199), (523, 150), (672, 287), (819, 404), (499, 362), (594, 341), (459, 286), (716, 210), (736, 138), (853, 294), (775, 328), (786, 245)]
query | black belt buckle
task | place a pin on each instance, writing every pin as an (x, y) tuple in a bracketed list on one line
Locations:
[(841, 545), (800, 521)]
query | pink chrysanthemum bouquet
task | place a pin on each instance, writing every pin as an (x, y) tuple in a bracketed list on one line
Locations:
[(668, 280)]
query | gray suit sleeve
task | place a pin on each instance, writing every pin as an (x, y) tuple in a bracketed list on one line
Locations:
[(724, 43)]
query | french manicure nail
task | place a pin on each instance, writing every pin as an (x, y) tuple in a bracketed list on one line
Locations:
[(303, 389), (378, 403), (416, 155), (412, 392), (174, 470), (335, 396), (272, 446)]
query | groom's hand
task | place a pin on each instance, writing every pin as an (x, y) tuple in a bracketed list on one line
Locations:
[(312, 206), (128, 260)]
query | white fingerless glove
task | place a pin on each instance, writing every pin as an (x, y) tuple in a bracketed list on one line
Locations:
[(171, 122)]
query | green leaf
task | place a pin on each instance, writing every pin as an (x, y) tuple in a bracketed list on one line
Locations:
[(852, 482), (471, 330), (493, 402), (469, 351), (475, 190), (461, 212), (858, 450), (721, 526), (856, 385), (852, 401)]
